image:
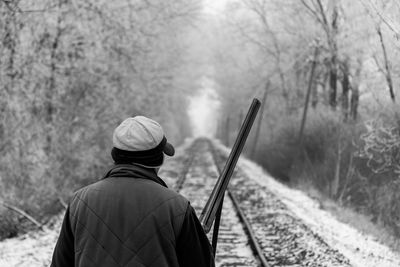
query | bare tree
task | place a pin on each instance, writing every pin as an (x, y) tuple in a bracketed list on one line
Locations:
[(269, 42), (346, 87), (326, 13), (386, 70), (379, 19)]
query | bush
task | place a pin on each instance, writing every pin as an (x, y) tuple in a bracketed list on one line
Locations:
[(8, 224), (356, 165)]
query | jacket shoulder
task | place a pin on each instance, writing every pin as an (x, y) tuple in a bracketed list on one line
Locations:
[(129, 189)]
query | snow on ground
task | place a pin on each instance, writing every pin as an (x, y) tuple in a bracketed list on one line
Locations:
[(33, 249), (362, 250)]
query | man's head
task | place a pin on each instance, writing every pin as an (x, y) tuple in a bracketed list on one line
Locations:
[(141, 141)]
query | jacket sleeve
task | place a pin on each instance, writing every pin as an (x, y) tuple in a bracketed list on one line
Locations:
[(64, 253), (193, 248)]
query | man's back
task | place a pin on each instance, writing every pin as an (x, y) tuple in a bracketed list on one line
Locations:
[(128, 219), (131, 222)]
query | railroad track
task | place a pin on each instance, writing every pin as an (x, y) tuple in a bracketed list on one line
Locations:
[(196, 181), (253, 242), (187, 163), (256, 228)]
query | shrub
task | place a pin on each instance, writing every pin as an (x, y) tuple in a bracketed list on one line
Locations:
[(8, 224), (354, 164)]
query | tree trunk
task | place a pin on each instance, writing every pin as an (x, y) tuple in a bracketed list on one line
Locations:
[(333, 61), (310, 84), (388, 73), (314, 101), (285, 93), (334, 188), (333, 82), (355, 94), (349, 175), (335, 183), (10, 44), (345, 90)]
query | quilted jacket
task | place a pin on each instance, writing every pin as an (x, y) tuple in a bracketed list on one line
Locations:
[(130, 218)]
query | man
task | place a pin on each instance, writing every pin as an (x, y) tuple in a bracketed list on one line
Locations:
[(130, 217)]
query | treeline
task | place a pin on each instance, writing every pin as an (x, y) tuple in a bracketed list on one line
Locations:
[(70, 71), (345, 56)]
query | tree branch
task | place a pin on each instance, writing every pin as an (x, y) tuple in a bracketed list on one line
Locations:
[(23, 213)]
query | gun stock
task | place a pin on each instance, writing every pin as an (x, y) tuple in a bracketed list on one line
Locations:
[(215, 200)]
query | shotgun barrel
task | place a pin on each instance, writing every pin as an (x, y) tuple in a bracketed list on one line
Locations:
[(215, 200)]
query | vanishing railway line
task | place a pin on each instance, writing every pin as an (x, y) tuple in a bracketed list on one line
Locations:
[(256, 228), (196, 182)]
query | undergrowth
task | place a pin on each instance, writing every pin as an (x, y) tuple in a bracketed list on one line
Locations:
[(354, 165)]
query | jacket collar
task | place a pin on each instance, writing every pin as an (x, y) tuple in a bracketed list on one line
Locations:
[(134, 171)]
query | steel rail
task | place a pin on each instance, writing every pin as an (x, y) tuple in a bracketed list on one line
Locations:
[(247, 228), (255, 246), (181, 180)]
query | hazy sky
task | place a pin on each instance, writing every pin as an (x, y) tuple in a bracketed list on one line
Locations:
[(204, 106), (214, 6), (203, 110)]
